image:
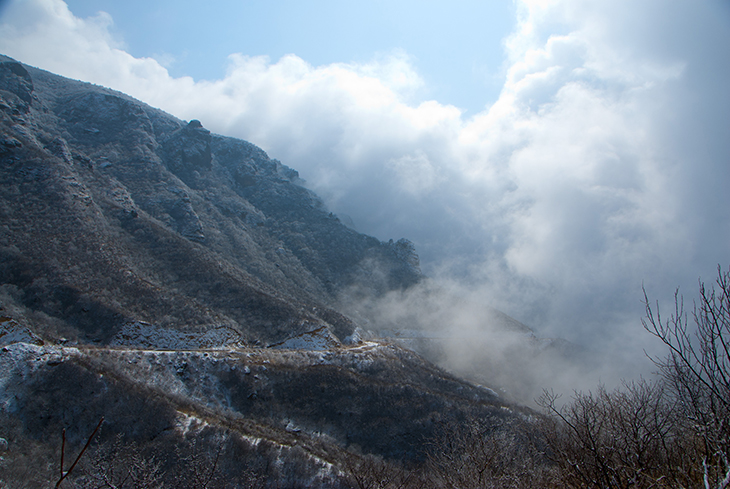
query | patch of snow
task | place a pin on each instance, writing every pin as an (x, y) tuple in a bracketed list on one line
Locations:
[(13, 332), (491, 391), (355, 338), (252, 440), (21, 360), (318, 340), (141, 334), (364, 346), (187, 422)]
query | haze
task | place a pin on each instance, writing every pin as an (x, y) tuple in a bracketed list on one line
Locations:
[(549, 157)]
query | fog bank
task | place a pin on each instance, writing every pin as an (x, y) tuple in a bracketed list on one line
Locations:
[(602, 166)]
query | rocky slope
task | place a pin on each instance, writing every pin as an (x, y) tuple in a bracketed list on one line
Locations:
[(114, 212), (182, 287), (292, 418)]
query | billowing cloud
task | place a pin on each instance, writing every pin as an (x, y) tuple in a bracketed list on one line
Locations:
[(602, 166)]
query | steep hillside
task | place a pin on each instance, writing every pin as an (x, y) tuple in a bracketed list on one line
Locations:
[(114, 212), (290, 417), (178, 289)]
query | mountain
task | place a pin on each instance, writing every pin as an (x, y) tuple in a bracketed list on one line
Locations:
[(181, 290), (115, 212)]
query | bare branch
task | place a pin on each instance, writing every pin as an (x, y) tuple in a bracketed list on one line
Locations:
[(81, 453)]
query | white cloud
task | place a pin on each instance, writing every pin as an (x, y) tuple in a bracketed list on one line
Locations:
[(603, 163), (416, 172)]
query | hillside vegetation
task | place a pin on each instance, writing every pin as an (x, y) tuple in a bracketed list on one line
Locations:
[(172, 315)]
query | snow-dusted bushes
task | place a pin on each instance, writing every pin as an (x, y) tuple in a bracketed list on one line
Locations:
[(630, 437), (671, 433), (472, 454), (697, 372)]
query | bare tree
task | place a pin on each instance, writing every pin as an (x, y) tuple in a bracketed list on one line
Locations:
[(698, 370), (372, 472), (65, 474), (470, 455), (199, 467), (119, 465), (620, 439)]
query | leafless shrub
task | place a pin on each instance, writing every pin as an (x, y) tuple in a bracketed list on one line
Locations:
[(670, 433), (697, 370), (630, 437), (65, 474), (27, 463), (119, 465), (470, 455), (198, 468), (371, 472)]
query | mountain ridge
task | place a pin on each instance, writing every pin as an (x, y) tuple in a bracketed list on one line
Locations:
[(184, 292), (124, 169)]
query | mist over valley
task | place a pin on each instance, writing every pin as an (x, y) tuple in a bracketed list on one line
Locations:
[(314, 273)]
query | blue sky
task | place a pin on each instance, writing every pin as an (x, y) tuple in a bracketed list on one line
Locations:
[(549, 157), (195, 38)]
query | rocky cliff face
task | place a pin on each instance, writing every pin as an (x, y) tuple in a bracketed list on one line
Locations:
[(115, 212)]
